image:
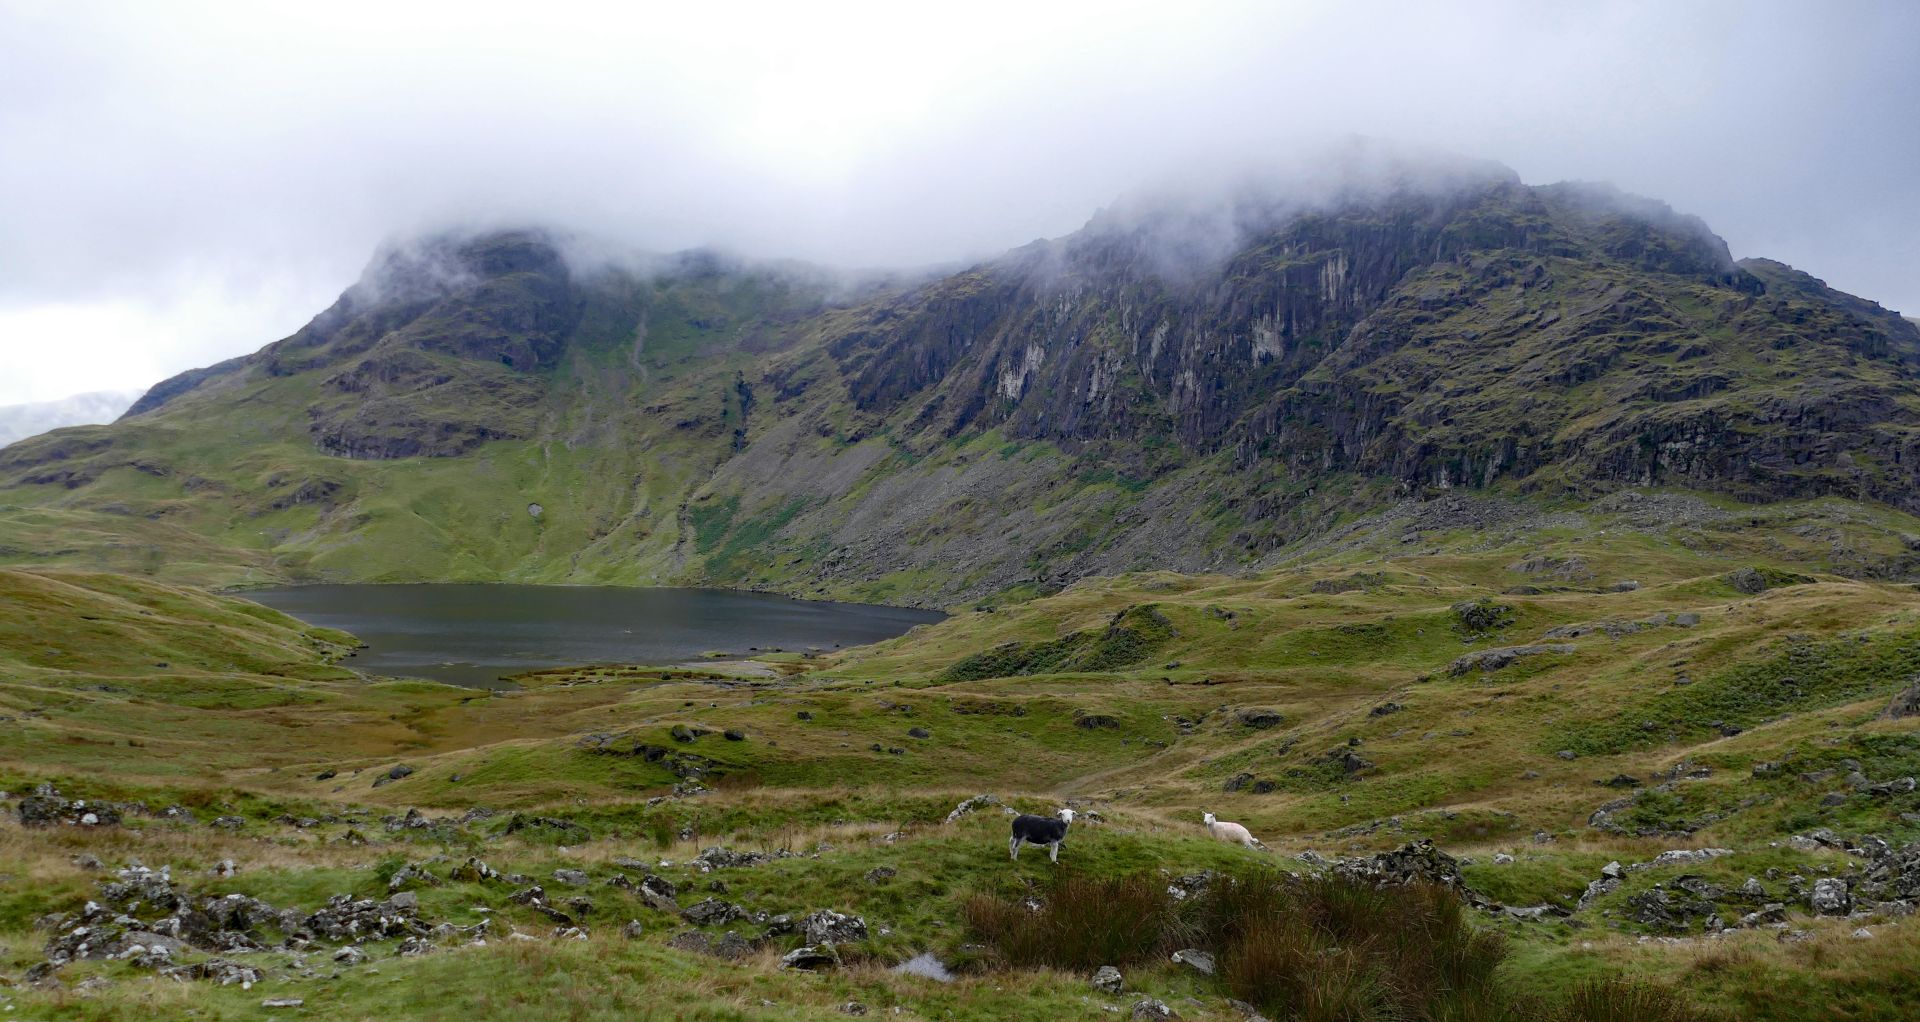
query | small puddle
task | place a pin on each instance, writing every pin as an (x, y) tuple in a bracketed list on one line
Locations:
[(926, 966)]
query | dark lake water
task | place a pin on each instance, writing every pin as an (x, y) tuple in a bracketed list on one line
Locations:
[(473, 634)]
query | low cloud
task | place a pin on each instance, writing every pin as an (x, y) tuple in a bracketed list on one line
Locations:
[(187, 181)]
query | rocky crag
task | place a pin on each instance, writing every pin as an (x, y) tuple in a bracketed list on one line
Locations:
[(1181, 384)]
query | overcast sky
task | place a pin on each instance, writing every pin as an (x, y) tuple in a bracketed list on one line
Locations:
[(181, 182)]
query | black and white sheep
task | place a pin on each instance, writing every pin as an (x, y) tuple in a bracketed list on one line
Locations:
[(1040, 830)]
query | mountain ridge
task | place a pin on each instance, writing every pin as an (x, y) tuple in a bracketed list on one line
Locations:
[(1139, 394)]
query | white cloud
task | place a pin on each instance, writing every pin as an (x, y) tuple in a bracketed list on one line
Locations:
[(185, 181)]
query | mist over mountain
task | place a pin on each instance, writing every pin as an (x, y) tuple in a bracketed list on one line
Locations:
[(1313, 511), (1200, 378), (25, 420)]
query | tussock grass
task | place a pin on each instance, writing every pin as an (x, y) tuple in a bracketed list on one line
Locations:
[(1084, 923), (1615, 1000), (1301, 948)]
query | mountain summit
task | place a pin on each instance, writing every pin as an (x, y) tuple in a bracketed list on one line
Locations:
[(1190, 381)]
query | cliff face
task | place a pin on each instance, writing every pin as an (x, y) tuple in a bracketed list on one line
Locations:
[(1166, 388), (1495, 332)]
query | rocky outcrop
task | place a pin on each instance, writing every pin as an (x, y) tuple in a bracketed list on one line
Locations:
[(1502, 657), (1170, 383)]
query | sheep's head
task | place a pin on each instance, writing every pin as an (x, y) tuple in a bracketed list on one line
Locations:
[(1067, 815), (1207, 818)]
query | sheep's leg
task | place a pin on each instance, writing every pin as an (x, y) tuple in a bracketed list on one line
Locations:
[(1053, 852), (1013, 848)]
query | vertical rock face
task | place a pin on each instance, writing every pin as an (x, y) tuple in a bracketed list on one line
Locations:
[(1441, 338)]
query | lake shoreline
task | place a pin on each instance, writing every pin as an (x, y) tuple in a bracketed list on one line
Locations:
[(477, 634)]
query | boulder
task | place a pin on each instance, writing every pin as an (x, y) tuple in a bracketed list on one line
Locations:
[(828, 926), (1906, 703), (1830, 897), (1505, 656), (727, 858), (1260, 720), (970, 806), (1198, 961), (811, 958), (218, 970), (1107, 980), (711, 912), (658, 893), (411, 875), (1417, 861), (473, 871)]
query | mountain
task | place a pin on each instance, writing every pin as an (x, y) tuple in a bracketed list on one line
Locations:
[(1190, 382), (34, 418)]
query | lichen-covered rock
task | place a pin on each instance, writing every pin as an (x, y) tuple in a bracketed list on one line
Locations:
[(727, 858), (811, 957), (1199, 961), (711, 912), (1830, 897), (828, 926), (970, 806), (1505, 656)]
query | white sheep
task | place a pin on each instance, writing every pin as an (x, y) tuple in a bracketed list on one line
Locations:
[(1231, 832)]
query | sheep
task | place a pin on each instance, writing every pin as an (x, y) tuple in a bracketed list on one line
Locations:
[(1040, 830), (1231, 832)]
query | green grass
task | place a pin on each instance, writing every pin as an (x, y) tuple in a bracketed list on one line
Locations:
[(251, 709)]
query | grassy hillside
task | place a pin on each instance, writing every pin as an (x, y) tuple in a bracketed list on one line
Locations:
[(491, 408), (1341, 706)]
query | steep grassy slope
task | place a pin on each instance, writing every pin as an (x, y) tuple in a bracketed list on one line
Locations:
[(1732, 699), (1147, 393)]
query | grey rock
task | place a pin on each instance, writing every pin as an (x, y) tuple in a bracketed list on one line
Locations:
[(828, 926), (711, 912), (1906, 703), (1247, 1011), (1107, 980), (1505, 656), (1829, 897), (1198, 961), (811, 958), (970, 806)]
